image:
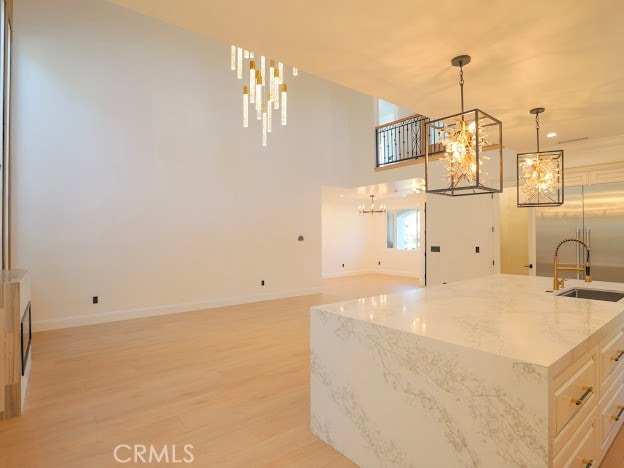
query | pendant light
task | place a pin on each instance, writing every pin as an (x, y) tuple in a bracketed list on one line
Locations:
[(464, 152), (372, 210), (540, 174), (264, 88)]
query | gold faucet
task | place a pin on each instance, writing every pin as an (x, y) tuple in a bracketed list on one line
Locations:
[(559, 283)]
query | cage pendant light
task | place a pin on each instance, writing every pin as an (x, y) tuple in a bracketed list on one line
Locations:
[(540, 174), (464, 152)]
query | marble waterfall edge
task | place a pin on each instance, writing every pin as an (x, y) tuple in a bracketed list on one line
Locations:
[(386, 397)]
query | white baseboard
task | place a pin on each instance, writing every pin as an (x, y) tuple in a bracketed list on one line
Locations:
[(118, 315), (341, 274), (409, 274)]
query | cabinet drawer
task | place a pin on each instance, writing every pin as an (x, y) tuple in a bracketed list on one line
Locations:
[(611, 356), (575, 388), (612, 412), (582, 449)]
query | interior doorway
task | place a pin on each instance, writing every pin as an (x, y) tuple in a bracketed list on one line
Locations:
[(384, 235)]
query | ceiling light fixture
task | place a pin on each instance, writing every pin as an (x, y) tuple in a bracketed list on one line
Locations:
[(418, 185), (362, 209), (266, 90), (463, 139), (551, 135), (540, 174)]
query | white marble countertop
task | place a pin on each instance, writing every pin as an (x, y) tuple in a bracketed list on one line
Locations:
[(507, 315)]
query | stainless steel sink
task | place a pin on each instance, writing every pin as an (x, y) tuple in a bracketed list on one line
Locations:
[(595, 294)]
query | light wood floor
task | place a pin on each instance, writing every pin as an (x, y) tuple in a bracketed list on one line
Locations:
[(233, 382)]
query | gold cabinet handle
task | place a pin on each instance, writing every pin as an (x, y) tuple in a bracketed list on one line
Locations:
[(619, 356), (580, 401), (619, 415)]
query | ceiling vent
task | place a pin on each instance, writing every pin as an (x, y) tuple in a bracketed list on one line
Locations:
[(574, 140)]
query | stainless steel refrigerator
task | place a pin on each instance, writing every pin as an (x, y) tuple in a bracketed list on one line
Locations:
[(593, 214)]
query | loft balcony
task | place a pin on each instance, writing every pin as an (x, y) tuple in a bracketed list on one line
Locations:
[(402, 142)]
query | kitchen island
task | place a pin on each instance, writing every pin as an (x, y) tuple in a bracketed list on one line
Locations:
[(489, 372)]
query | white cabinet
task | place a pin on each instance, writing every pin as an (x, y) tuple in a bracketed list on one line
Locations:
[(582, 449), (587, 404), (574, 389)]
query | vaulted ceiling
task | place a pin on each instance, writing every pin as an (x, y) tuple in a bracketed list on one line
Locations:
[(563, 55)]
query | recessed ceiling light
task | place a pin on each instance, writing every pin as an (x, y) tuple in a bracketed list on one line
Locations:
[(341, 196), (551, 135)]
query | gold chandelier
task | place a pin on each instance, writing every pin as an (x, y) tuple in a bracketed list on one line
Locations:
[(460, 155), (540, 174), (267, 90), (457, 148)]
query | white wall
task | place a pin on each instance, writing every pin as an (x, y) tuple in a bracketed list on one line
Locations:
[(346, 238), (457, 225), (135, 181), (390, 112)]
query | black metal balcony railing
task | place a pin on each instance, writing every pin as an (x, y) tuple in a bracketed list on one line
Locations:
[(404, 140), (400, 140)]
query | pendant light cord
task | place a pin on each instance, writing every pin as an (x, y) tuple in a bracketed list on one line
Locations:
[(537, 127), (461, 85)]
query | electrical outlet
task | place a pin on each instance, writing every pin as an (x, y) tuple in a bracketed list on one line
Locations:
[(95, 299), (343, 265), (262, 283), (477, 249), (379, 263)]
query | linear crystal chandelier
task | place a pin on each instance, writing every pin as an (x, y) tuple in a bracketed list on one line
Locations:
[(540, 174), (265, 90), (456, 162), (372, 210)]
